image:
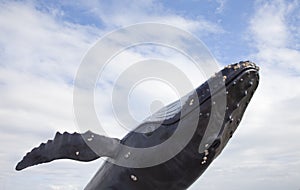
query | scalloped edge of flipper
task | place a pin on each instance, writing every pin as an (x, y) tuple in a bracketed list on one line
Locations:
[(70, 146)]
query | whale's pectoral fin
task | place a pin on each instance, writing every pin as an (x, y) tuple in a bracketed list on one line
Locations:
[(71, 146)]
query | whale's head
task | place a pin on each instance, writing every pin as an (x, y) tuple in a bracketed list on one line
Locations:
[(240, 81), (202, 121)]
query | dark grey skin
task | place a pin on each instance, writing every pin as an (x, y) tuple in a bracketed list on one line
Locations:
[(183, 169)]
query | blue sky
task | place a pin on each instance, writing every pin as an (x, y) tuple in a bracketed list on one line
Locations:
[(43, 43)]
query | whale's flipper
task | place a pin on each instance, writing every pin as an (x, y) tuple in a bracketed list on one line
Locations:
[(71, 146)]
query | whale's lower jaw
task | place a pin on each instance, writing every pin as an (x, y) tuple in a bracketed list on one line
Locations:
[(239, 93)]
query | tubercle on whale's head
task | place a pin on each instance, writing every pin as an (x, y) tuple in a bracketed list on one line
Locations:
[(232, 70)]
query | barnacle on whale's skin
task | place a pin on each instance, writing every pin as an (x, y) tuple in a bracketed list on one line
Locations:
[(240, 81)]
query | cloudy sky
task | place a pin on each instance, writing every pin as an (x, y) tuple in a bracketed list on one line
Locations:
[(43, 43)]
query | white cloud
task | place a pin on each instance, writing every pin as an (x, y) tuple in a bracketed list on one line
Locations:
[(268, 24), (39, 58), (273, 35)]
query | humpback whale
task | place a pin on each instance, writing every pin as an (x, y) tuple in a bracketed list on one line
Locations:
[(214, 126)]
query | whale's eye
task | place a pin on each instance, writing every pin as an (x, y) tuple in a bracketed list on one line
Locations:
[(216, 144)]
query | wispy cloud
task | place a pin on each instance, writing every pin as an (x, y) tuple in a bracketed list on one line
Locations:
[(221, 7), (39, 61), (39, 58), (274, 33), (123, 13)]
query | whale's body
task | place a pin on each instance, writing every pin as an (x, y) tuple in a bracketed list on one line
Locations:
[(240, 81)]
